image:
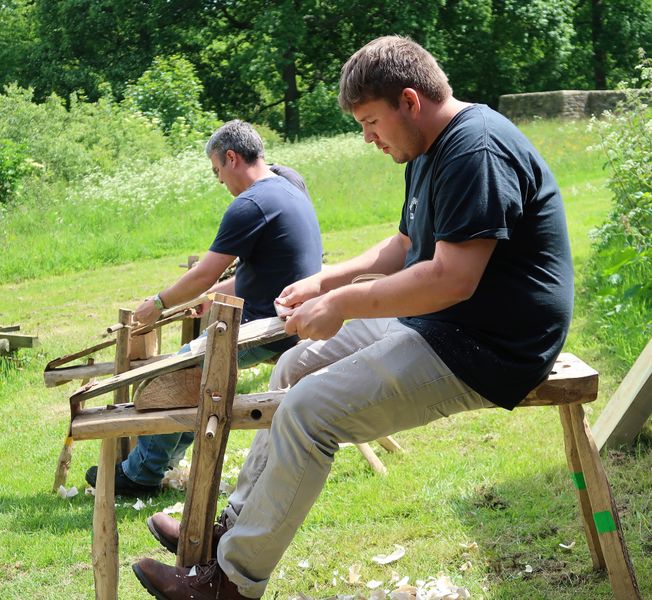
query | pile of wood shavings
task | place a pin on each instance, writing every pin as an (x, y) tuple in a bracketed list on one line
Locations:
[(440, 588)]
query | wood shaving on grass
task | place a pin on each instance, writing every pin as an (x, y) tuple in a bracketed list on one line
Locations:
[(434, 588)]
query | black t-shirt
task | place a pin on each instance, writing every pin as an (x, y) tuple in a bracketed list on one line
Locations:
[(482, 178), (272, 228)]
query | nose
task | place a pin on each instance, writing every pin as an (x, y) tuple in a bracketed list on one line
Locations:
[(368, 135)]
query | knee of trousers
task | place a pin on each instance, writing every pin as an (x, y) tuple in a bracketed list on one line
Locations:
[(289, 369), (298, 417)]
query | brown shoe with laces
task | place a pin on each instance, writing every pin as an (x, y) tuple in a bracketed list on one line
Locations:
[(167, 530), (201, 582)]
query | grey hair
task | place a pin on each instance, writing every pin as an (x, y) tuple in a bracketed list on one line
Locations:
[(383, 68), (238, 136)]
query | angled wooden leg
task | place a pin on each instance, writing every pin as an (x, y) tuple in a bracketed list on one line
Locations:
[(63, 464), (371, 457), (217, 390), (575, 466), (65, 456), (105, 532), (390, 444), (605, 514)]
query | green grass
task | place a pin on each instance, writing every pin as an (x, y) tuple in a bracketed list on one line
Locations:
[(492, 477)]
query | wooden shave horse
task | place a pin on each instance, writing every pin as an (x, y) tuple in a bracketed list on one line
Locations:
[(219, 410)]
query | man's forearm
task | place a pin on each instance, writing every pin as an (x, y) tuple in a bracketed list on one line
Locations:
[(452, 276), (414, 291), (386, 257), (197, 280), (189, 286)]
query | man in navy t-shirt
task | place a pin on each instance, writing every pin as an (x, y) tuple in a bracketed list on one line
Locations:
[(474, 308), (272, 228)]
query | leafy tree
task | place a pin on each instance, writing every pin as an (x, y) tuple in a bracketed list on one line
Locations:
[(17, 40), (466, 33), (608, 34), (83, 44), (278, 61), (269, 54), (167, 91)]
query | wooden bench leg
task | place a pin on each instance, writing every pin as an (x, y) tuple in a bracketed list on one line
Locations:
[(390, 444), (371, 457), (575, 466), (65, 456), (63, 464), (105, 532), (605, 513)]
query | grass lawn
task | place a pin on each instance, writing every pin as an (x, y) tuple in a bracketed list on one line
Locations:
[(495, 478)]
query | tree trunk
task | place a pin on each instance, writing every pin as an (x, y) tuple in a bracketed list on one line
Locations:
[(291, 98), (599, 55)]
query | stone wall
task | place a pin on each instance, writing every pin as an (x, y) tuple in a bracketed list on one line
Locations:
[(564, 104)]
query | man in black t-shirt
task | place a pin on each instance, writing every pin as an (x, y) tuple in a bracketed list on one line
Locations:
[(272, 228), (474, 308)]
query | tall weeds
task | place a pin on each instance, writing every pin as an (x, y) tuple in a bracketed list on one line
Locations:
[(619, 278)]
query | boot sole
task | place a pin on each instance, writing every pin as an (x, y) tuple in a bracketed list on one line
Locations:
[(163, 541), (146, 584)]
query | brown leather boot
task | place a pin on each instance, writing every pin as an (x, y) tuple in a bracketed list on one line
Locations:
[(202, 582), (167, 530)]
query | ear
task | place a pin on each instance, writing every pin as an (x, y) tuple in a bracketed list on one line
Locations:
[(410, 99), (231, 158)]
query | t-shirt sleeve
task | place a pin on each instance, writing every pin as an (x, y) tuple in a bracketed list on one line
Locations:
[(402, 226), (478, 195), (292, 176), (241, 226)]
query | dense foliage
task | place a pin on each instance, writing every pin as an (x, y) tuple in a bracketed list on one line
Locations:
[(73, 141), (278, 62), (620, 282), (168, 93)]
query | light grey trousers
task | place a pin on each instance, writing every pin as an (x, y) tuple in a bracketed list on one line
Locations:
[(375, 377)]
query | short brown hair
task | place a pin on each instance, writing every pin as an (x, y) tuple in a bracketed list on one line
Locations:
[(385, 67)]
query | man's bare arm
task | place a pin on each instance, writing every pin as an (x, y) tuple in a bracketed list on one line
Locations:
[(386, 257), (190, 285), (429, 286)]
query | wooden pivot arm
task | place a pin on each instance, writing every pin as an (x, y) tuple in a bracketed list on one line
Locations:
[(63, 375), (62, 360), (167, 316), (252, 334), (19, 340)]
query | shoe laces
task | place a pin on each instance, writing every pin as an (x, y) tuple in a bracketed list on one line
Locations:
[(206, 573)]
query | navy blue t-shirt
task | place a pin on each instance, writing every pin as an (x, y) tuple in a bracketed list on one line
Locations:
[(272, 228), (482, 178)]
